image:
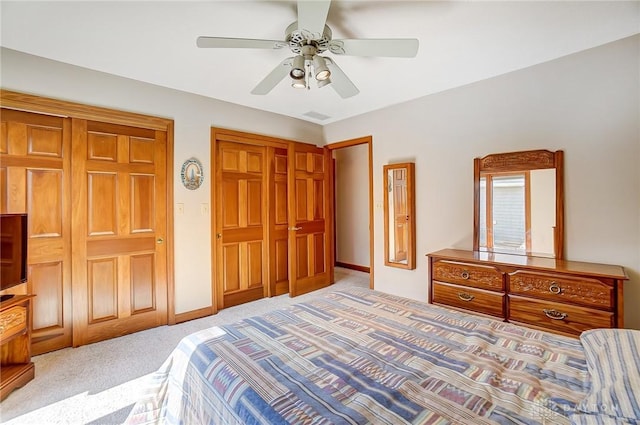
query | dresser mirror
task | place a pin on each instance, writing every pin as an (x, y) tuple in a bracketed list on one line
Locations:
[(399, 215), (519, 203)]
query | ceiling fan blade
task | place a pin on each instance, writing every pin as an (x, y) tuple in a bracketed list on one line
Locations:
[(274, 77), (340, 82), (247, 43), (312, 16), (386, 47)]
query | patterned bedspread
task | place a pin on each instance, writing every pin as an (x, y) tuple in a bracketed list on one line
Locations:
[(361, 356)]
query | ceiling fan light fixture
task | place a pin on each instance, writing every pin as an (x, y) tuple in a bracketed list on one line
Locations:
[(298, 83), (297, 68), (320, 68), (325, 82)]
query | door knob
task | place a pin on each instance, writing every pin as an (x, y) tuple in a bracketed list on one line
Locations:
[(159, 240)]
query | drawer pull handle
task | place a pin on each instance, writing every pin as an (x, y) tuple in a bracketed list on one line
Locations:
[(465, 297), (555, 288), (555, 314), (464, 274)]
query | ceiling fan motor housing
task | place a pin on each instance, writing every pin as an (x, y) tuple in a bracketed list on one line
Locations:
[(298, 39)]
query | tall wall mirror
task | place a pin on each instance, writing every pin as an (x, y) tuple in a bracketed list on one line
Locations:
[(519, 203), (399, 215)]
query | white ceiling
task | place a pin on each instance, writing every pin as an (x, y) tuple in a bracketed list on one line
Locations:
[(460, 43)]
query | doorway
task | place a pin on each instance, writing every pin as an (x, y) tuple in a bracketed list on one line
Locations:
[(353, 175)]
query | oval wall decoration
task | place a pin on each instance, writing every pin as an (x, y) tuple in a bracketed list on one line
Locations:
[(192, 174)]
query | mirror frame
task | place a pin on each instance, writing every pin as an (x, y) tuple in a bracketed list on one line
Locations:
[(522, 161), (411, 222)]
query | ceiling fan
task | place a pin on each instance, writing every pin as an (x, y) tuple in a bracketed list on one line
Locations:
[(308, 38)]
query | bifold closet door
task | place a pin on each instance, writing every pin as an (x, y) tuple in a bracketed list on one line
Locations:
[(310, 218), (278, 223), (35, 179), (119, 229), (241, 229)]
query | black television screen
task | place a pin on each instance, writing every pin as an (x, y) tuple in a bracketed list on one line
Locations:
[(13, 250)]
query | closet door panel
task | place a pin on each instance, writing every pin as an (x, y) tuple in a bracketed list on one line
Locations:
[(102, 147), (254, 264), (254, 203), (240, 223), (143, 283), (45, 141), (4, 189), (279, 221), (282, 262), (231, 268), (141, 150), (230, 210), (119, 230), (103, 289), (47, 281), (35, 179), (4, 139), (310, 219), (143, 203), (45, 209), (102, 203)]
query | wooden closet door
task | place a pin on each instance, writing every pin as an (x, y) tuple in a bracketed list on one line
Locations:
[(35, 178), (119, 228), (278, 223), (241, 229), (310, 219)]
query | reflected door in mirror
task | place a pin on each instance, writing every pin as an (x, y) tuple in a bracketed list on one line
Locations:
[(399, 215), (400, 224)]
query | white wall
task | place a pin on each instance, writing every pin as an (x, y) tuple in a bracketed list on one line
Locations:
[(193, 116), (587, 104), (352, 205)]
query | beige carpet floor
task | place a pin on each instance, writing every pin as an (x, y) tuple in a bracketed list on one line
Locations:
[(99, 383)]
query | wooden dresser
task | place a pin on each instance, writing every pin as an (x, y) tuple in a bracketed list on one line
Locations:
[(16, 368), (565, 297)]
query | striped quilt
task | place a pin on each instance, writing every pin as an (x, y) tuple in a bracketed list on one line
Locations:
[(361, 356)]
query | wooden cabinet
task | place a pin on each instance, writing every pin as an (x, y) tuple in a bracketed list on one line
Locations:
[(16, 368), (566, 297)]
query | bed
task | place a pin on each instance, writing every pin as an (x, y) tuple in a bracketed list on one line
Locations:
[(359, 356)]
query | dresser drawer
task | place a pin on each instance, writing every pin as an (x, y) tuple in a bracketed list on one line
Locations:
[(476, 300), (13, 321), (559, 288), (561, 317), (483, 277)]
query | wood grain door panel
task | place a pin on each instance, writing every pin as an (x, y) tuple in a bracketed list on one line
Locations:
[(241, 228), (309, 250), (278, 223), (119, 221), (35, 178)]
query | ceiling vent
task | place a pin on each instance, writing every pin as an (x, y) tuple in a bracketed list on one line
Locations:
[(316, 115)]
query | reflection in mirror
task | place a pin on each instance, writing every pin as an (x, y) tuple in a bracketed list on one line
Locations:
[(399, 220), (519, 203), (510, 225)]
